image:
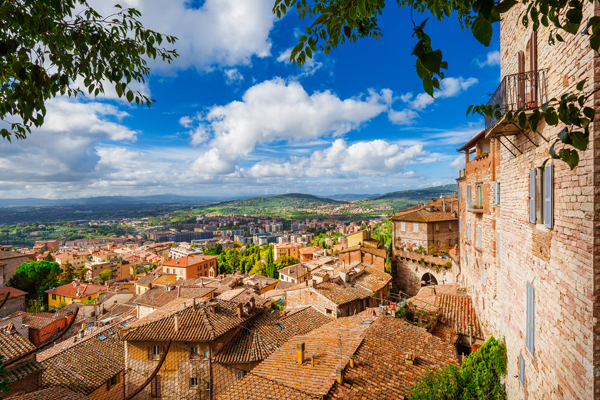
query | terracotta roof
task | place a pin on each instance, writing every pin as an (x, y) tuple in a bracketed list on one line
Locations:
[(339, 294), (189, 261), (372, 279), (267, 332), (196, 321), (117, 309), (330, 344), (294, 271), (13, 292), (380, 371), (70, 290), (12, 343), (459, 313), (376, 252), (310, 250), (287, 245), (88, 364), (52, 393), (422, 215)]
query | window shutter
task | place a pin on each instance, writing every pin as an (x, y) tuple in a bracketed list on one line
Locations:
[(482, 273), (548, 195), (459, 224), (459, 193), (521, 78), (479, 236), (161, 350), (532, 195), (402, 226), (150, 353), (530, 339), (497, 193), (158, 386), (521, 370)]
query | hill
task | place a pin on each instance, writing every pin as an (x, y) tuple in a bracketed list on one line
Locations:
[(269, 204), (408, 198), (109, 200)]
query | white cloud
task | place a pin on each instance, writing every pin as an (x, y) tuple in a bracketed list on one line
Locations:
[(185, 121), (232, 76), (492, 59), (404, 117), (279, 110), (458, 163), (222, 33)]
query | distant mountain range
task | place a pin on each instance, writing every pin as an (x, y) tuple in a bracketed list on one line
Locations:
[(400, 199)]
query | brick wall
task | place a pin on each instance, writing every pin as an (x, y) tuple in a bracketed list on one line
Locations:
[(560, 263)]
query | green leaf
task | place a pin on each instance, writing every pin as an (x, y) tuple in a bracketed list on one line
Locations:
[(432, 61), (428, 86), (589, 112), (574, 17), (361, 8), (119, 90), (564, 136), (483, 31), (571, 157), (534, 120), (505, 5), (129, 96), (552, 151), (521, 120), (581, 84), (469, 109), (580, 140), (551, 116), (595, 40)]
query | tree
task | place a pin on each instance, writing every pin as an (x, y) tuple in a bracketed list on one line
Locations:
[(82, 272), (68, 275), (479, 377), (36, 277), (338, 21), (46, 45), (3, 382), (258, 268), (104, 275), (213, 250)]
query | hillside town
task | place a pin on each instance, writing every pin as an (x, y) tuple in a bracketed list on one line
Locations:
[(490, 292)]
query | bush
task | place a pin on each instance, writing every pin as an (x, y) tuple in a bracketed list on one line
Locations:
[(477, 378)]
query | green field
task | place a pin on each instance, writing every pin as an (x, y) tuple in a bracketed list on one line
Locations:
[(282, 204), (409, 198)]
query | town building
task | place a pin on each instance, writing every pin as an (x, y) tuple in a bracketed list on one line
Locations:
[(13, 300), (10, 259), (194, 266), (74, 292), (368, 253), (23, 372), (178, 252), (286, 250), (145, 283)]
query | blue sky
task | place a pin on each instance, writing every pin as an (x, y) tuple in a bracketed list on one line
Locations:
[(233, 117)]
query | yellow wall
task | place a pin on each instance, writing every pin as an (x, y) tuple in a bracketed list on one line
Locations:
[(357, 238), (67, 300)]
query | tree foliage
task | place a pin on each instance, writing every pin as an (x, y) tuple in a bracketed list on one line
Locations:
[(68, 274), (3, 382), (36, 277), (48, 45), (479, 377), (104, 275), (336, 21)]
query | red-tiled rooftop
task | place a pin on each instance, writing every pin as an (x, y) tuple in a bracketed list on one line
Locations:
[(71, 290), (12, 292), (189, 260)]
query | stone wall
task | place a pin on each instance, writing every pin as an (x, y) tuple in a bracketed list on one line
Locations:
[(408, 273), (560, 263)]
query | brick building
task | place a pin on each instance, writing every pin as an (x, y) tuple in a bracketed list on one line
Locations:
[(22, 371), (533, 277), (9, 261), (365, 254), (195, 266), (15, 301)]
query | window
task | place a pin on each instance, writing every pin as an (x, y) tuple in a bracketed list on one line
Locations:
[(479, 236), (497, 193), (193, 352), (532, 195), (482, 273), (480, 195), (522, 370), (155, 387), (437, 227), (459, 224), (416, 228), (167, 270), (112, 382), (530, 339), (206, 354), (194, 382), (155, 352), (548, 195), (459, 193), (468, 231), (53, 297), (241, 375), (450, 226), (449, 242), (469, 200), (437, 242), (402, 226)]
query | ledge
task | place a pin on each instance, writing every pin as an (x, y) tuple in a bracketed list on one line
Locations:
[(475, 210)]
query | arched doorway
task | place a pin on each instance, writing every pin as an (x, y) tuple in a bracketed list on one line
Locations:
[(428, 280)]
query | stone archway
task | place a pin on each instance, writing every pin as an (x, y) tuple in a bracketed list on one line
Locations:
[(428, 280)]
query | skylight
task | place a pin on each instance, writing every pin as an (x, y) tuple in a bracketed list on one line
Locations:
[(102, 337)]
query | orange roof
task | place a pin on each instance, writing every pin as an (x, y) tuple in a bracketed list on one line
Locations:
[(423, 215), (189, 260), (13, 292), (71, 290), (310, 250), (288, 245)]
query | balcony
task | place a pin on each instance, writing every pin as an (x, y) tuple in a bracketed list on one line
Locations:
[(525, 90), (475, 208)]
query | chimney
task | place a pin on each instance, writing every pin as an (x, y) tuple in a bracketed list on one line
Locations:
[(252, 303), (239, 310), (443, 205), (352, 361), (314, 283), (339, 376), (176, 322), (301, 353), (409, 359)]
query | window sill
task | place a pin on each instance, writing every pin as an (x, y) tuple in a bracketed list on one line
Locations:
[(475, 210)]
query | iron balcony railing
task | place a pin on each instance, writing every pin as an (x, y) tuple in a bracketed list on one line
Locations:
[(526, 90)]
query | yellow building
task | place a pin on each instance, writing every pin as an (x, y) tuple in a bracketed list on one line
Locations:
[(358, 238), (146, 282), (73, 293), (286, 250)]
